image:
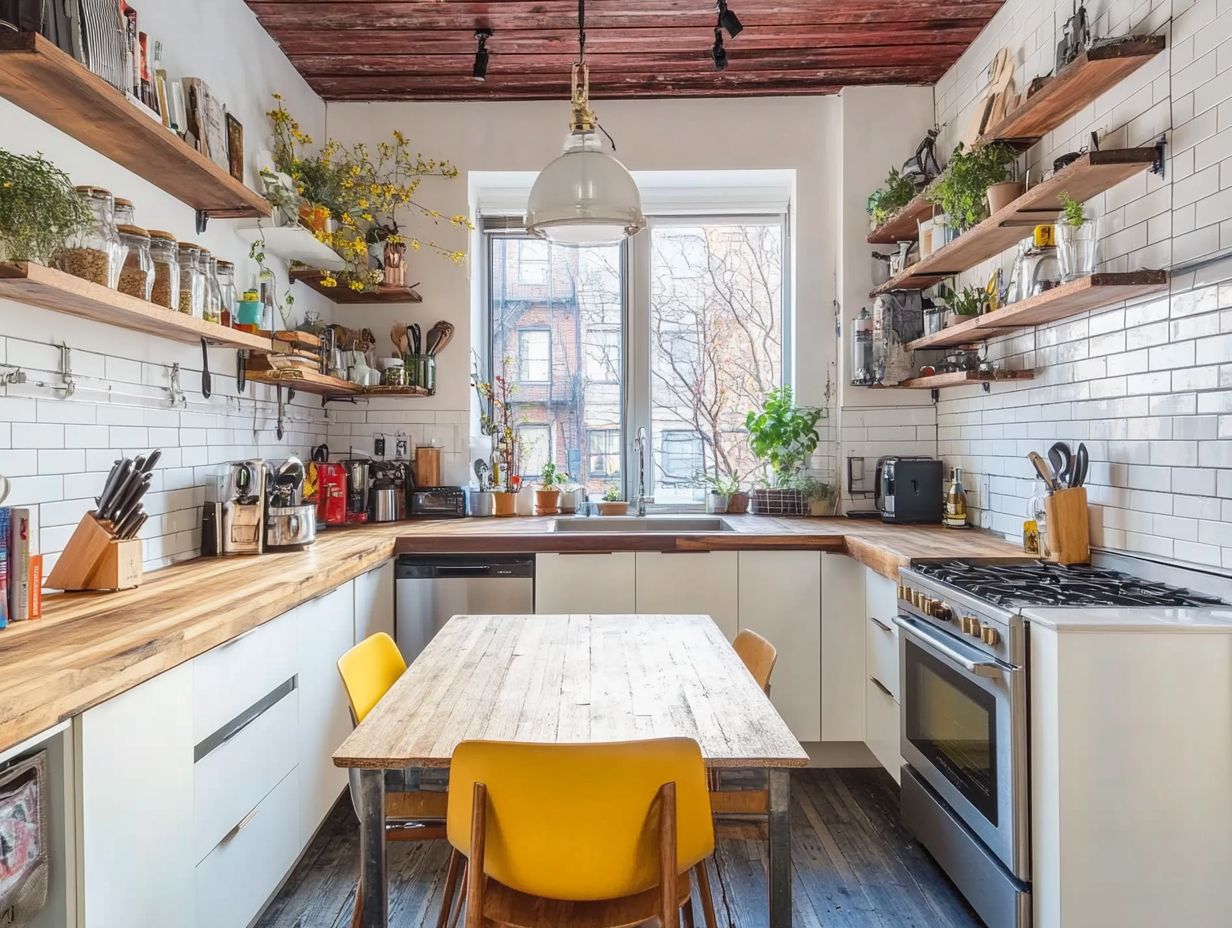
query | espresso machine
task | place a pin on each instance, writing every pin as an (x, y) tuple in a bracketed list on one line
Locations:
[(387, 495), (331, 494), (289, 521), (358, 483), (233, 516)]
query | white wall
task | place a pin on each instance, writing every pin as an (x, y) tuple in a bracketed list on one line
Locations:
[(651, 135), (57, 451), (1147, 386)]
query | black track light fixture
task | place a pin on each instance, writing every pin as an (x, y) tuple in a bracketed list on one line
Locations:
[(480, 70), (719, 52), (729, 20)]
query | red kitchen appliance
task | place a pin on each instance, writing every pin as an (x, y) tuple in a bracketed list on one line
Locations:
[(331, 494)]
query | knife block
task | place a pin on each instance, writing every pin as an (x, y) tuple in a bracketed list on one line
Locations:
[(95, 559), (1069, 529)]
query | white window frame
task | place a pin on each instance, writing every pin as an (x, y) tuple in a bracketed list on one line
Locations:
[(534, 330)]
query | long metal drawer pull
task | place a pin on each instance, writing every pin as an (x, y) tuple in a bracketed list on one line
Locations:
[(979, 668), (228, 731), (238, 638), (881, 686), (240, 826), (880, 624)]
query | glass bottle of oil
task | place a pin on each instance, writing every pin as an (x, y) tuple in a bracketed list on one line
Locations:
[(955, 515)]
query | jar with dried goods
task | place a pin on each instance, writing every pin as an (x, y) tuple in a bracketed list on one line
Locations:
[(164, 252), (211, 305), (225, 272), (137, 274), (96, 252), (125, 212), (192, 281)]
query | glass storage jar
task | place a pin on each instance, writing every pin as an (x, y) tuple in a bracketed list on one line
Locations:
[(96, 252), (192, 281), (137, 274), (211, 304), (225, 272), (125, 212), (164, 252)]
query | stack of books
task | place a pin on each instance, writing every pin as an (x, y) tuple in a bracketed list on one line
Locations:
[(21, 571)]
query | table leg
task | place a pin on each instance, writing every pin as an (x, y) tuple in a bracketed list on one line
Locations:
[(372, 879), (780, 847)]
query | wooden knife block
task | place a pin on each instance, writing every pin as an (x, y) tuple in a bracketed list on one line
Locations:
[(1069, 529), (95, 559)]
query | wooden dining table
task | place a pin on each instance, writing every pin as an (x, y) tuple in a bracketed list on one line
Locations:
[(569, 679)]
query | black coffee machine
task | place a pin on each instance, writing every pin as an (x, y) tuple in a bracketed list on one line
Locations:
[(909, 489)]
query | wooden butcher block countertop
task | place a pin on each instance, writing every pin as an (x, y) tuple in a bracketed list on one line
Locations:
[(89, 647)]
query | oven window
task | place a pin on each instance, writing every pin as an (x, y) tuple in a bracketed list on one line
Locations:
[(953, 723)]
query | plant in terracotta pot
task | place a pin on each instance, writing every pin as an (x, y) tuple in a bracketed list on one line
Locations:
[(1077, 239), (782, 435), (961, 192), (612, 503), (724, 490), (821, 496), (547, 494), (496, 421)]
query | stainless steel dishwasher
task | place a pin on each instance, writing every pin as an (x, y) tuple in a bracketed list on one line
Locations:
[(429, 589)]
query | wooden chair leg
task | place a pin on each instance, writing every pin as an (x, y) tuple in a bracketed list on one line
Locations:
[(451, 885), (687, 911), (474, 871), (461, 900), (358, 913), (669, 913), (703, 890)]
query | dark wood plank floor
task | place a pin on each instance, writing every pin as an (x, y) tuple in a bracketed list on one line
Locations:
[(854, 867)]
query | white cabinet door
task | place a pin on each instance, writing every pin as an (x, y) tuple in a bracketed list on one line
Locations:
[(842, 648), (136, 755), (883, 728), (780, 599), (326, 631), (585, 583), (374, 602), (702, 582)]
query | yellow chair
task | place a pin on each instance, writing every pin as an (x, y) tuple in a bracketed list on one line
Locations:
[(583, 835), (368, 670), (758, 655)]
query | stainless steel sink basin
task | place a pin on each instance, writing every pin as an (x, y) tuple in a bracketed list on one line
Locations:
[(676, 525)]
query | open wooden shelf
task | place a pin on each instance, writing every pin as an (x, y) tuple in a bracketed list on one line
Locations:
[(306, 381), (64, 293), (962, 379), (55, 87), (343, 295), (1079, 83), (1060, 302), (1090, 175), (903, 226)]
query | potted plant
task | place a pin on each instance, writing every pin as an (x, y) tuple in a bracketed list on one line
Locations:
[(822, 500), (572, 495), (723, 488), (612, 504), (783, 435), (961, 190), (889, 198), (964, 304), (39, 209), (496, 421), (547, 494), (1077, 239)]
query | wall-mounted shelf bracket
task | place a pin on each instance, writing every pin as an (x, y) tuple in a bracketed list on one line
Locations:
[(936, 394), (1157, 166), (203, 219)]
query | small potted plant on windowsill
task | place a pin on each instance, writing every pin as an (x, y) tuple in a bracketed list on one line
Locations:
[(783, 435), (547, 494), (612, 504), (724, 489)]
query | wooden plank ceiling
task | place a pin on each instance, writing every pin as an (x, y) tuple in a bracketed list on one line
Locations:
[(424, 49)]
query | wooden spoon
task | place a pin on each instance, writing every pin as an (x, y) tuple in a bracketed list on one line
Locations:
[(397, 334)]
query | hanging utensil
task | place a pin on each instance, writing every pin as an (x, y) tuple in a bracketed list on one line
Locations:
[(1041, 468), (207, 384), (1062, 461), (279, 429), (1082, 461), (397, 335), (446, 331)]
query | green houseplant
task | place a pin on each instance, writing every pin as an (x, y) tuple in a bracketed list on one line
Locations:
[(782, 435), (613, 502), (961, 191), (889, 198), (547, 494), (39, 209), (724, 488), (970, 301), (1077, 239)]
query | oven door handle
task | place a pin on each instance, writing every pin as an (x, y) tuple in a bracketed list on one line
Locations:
[(988, 668)]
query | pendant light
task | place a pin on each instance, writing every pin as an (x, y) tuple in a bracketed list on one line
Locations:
[(585, 196)]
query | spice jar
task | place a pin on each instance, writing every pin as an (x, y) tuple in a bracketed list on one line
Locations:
[(125, 212), (164, 252), (192, 281), (225, 272), (211, 304), (95, 253), (137, 274)]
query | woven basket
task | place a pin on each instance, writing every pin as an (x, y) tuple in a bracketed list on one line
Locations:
[(779, 503)]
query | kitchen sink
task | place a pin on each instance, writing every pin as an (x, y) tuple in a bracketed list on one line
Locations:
[(676, 525)]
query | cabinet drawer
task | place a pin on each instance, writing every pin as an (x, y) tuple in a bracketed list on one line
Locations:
[(880, 595), (233, 676), (241, 873), (882, 650), (883, 729), (230, 780)]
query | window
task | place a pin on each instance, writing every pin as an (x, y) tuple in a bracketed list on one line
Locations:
[(679, 330), (533, 263), (536, 444), (535, 355), (605, 453)]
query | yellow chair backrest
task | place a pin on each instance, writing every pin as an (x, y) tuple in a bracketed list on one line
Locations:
[(368, 671), (758, 655), (580, 822)]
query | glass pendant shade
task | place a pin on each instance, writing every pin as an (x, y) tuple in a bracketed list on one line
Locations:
[(585, 196)]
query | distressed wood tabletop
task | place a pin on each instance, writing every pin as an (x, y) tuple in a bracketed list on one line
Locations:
[(570, 679)]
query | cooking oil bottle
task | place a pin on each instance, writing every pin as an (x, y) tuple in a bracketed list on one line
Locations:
[(955, 515)]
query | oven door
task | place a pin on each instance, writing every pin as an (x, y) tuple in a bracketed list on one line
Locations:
[(964, 731)]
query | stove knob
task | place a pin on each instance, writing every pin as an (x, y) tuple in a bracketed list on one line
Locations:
[(942, 612), (976, 629), (967, 623), (927, 605), (990, 636), (904, 592)]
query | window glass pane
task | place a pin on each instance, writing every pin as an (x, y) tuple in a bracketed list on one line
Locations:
[(557, 314), (716, 346)]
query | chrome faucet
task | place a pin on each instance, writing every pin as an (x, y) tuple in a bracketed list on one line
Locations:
[(642, 498)]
